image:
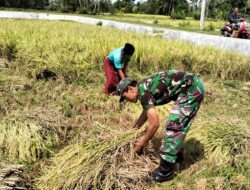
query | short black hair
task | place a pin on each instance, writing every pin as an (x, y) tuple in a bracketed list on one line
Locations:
[(133, 84), (128, 49)]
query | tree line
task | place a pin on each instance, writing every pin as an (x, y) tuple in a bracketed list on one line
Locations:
[(31, 4), (178, 8)]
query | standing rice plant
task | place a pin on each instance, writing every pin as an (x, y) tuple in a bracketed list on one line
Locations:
[(8, 45), (224, 143), (86, 46), (103, 161), (222, 150), (23, 140)]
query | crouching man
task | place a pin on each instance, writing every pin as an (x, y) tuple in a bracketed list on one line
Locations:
[(187, 92)]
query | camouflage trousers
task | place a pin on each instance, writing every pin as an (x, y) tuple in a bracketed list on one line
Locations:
[(180, 119)]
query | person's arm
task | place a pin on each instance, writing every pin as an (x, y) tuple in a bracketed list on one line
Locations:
[(124, 69), (125, 66), (141, 120), (121, 74), (118, 66), (154, 124)]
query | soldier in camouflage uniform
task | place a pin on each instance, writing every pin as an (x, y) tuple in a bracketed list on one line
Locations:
[(186, 90)]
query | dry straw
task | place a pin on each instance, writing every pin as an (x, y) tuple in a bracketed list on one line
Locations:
[(24, 140), (103, 161)]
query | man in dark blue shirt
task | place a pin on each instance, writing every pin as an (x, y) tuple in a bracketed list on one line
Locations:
[(234, 17)]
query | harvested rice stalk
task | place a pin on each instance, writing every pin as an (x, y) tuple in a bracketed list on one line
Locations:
[(24, 140), (97, 163)]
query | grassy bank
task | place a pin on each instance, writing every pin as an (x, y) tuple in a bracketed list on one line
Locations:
[(188, 24)]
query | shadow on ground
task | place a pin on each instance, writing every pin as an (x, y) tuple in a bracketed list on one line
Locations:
[(192, 152)]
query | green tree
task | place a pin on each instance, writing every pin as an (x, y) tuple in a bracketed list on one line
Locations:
[(140, 7), (182, 6), (35, 4), (124, 5), (166, 7), (222, 8), (2, 3)]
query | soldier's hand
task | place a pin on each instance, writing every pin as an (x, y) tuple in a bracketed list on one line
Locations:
[(139, 148)]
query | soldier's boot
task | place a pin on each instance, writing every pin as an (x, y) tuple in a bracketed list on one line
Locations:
[(163, 173), (179, 159)]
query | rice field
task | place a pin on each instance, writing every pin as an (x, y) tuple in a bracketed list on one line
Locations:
[(71, 136)]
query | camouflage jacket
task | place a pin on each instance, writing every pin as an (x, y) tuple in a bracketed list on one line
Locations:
[(163, 87)]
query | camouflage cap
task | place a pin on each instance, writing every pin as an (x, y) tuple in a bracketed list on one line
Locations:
[(122, 87)]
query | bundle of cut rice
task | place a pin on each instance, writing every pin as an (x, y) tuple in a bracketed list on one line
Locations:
[(24, 140), (105, 161)]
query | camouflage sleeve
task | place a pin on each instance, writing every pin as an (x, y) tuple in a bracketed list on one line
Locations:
[(147, 101)]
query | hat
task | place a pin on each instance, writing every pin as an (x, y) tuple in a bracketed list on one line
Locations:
[(128, 49), (122, 86)]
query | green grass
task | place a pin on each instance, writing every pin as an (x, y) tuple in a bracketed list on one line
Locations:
[(189, 24), (73, 112)]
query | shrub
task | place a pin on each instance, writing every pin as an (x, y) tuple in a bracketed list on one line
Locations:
[(211, 27), (82, 10), (122, 10), (53, 7), (99, 23), (65, 10), (184, 24), (177, 15), (196, 15), (156, 21), (93, 13), (112, 12)]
